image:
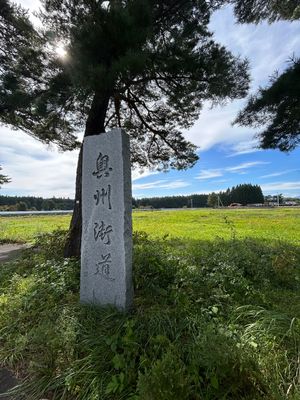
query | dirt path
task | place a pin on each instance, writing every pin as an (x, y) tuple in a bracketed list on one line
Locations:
[(7, 381), (9, 252)]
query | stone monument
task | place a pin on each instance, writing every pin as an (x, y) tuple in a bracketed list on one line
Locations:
[(106, 249)]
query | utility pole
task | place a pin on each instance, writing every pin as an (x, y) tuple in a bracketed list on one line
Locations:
[(220, 202), (191, 202)]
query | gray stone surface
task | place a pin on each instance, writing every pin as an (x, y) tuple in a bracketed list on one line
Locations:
[(106, 252)]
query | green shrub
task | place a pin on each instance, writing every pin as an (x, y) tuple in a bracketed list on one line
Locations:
[(51, 245)]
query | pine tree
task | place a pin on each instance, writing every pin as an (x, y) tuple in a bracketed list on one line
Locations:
[(144, 65), (212, 200), (3, 178), (246, 193), (277, 108), (248, 11)]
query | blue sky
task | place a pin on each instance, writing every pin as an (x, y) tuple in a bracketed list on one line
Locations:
[(227, 154)]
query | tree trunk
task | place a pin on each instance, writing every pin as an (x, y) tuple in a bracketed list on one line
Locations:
[(94, 126)]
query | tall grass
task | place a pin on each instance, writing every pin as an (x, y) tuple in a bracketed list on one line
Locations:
[(211, 320)]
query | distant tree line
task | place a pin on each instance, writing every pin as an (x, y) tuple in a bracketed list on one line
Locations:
[(194, 200), (23, 203), (243, 194)]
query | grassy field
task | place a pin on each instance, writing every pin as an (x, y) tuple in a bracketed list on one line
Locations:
[(25, 228), (207, 224), (212, 319), (202, 224)]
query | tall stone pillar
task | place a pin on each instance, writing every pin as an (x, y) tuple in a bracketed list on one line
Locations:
[(106, 250)]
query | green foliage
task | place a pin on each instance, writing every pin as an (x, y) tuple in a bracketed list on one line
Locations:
[(22, 206), (212, 200), (3, 178), (48, 205), (145, 65), (167, 379), (37, 203), (50, 244), (248, 11), (154, 271), (245, 193), (277, 108), (194, 200), (211, 320)]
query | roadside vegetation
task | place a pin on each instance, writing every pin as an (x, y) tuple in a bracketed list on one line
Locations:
[(212, 319)]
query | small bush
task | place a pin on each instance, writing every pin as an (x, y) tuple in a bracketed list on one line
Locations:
[(51, 245)]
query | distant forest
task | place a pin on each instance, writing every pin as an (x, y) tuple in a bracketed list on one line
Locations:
[(23, 203), (243, 194), (194, 200)]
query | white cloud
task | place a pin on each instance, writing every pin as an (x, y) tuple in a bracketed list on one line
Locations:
[(240, 169), (246, 165), (32, 5), (214, 127), (34, 168), (268, 48), (175, 184), (209, 173), (149, 185), (140, 174), (247, 147), (162, 184), (221, 180), (280, 186), (279, 173)]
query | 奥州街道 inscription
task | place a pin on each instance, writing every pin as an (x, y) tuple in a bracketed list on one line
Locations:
[(106, 253)]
